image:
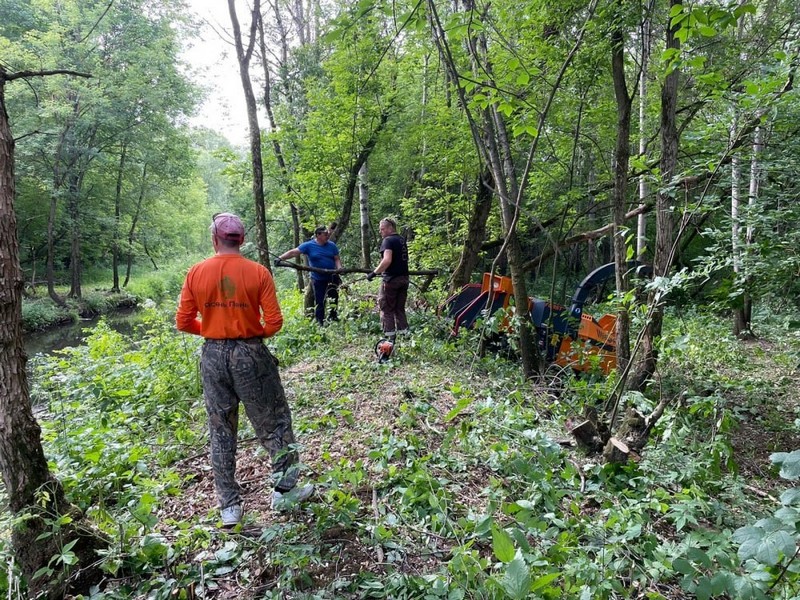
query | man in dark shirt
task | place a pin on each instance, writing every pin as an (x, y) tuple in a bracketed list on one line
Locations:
[(394, 287)]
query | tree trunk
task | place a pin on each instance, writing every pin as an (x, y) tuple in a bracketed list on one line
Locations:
[(743, 312), (476, 232), (134, 222), (243, 57), (296, 233), (491, 139), (363, 203), (739, 320), (621, 161), (117, 215), (641, 225), (504, 175), (50, 274), (73, 203), (31, 490), (276, 146), (662, 260), (352, 177)]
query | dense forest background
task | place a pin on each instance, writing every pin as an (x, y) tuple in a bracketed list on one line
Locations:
[(535, 140), (555, 130)]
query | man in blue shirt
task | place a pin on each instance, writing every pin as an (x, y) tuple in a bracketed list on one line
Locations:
[(321, 254)]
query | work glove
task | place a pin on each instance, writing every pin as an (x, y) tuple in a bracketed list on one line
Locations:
[(278, 261), (371, 276)]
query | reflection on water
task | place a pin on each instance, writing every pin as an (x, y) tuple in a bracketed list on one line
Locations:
[(63, 336)]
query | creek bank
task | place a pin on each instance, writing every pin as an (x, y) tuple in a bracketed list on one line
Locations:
[(41, 314)]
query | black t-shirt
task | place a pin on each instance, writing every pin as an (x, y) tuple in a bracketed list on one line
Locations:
[(397, 244)]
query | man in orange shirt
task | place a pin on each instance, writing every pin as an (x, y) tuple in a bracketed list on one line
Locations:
[(238, 307)]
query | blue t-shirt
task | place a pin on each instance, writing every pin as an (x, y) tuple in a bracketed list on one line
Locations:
[(320, 256)]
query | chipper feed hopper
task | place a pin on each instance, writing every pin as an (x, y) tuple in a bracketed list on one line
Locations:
[(567, 336)]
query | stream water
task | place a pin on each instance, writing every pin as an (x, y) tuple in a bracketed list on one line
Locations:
[(73, 334)]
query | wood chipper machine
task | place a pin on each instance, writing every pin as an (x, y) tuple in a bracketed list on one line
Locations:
[(566, 336)]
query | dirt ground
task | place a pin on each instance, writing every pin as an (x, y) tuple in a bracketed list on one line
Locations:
[(766, 426)]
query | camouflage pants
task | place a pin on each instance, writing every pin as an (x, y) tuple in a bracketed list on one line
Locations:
[(245, 371)]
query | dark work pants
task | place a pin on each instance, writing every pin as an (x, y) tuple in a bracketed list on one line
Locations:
[(320, 289), (332, 295), (245, 371), (392, 302)]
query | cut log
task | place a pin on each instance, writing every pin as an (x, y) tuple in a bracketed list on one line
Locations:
[(586, 435), (616, 451)]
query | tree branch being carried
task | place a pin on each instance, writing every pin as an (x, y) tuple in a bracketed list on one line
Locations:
[(299, 267)]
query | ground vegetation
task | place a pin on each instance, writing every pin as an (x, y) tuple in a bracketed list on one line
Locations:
[(440, 474)]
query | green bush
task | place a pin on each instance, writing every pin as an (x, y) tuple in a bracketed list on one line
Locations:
[(42, 313), (158, 286)]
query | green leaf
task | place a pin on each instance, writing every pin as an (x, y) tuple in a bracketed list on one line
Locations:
[(683, 566), (789, 462), (669, 54), (462, 403), (766, 543), (744, 8), (523, 78), (719, 583), (703, 588), (544, 580), (228, 552), (748, 539), (700, 16), (698, 556), (675, 10), (775, 546), (791, 497), (43, 571), (502, 545), (506, 108), (517, 580), (707, 31)]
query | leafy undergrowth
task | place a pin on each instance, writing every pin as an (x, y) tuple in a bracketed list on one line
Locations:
[(439, 474)]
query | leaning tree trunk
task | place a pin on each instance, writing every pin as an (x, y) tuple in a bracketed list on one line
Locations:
[(355, 168), (476, 232), (31, 489)]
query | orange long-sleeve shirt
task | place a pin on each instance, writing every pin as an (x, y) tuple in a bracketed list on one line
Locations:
[(234, 296)]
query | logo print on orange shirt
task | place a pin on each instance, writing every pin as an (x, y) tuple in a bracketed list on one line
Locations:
[(228, 288)]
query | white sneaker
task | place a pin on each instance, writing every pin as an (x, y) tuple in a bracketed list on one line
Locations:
[(231, 516), (288, 500)]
